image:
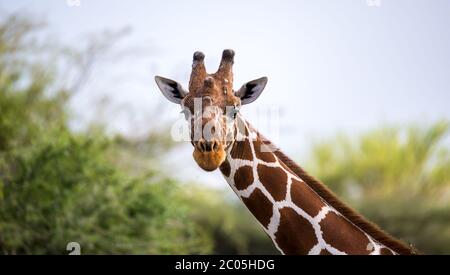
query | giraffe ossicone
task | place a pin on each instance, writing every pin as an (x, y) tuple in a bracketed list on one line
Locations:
[(297, 212)]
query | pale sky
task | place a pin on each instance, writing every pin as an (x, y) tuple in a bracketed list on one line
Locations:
[(332, 65)]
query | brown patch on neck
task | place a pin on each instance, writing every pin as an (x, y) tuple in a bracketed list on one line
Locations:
[(274, 180), (225, 168), (243, 177), (260, 206), (242, 150), (262, 151), (295, 235), (305, 198), (342, 235)]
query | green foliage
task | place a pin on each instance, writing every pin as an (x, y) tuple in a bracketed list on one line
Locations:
[(398, 177), (65, 190)]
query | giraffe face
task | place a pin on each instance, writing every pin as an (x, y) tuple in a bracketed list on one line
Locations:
[(210, 106)]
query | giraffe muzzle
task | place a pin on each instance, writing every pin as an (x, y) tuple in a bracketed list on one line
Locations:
[(209, 155)]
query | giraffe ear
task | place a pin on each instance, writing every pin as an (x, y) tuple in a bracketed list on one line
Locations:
[(250, 91), (172, 90)]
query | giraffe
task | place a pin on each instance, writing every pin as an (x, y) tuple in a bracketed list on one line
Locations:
[(299, 213)]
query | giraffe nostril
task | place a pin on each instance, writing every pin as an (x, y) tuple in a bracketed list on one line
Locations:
[(215, 146), (201, 145), (204, 146), (207, 146)]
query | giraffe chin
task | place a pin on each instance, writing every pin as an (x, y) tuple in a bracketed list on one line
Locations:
[(209, 161)]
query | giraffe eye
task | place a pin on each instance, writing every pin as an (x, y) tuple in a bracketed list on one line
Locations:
[(187, 113)]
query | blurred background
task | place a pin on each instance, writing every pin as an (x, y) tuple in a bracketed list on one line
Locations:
[(361, 87)]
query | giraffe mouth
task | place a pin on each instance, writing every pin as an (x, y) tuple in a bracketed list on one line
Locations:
[(209, 160)]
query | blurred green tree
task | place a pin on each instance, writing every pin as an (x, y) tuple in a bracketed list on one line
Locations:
[(399, 177)]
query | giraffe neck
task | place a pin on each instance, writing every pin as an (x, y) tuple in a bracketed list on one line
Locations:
[(295, 217)]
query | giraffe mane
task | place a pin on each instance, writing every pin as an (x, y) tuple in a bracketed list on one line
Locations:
[(325, 193)]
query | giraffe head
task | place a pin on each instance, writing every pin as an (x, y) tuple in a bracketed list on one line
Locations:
[(210, 106)]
